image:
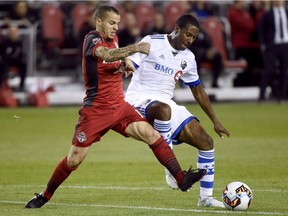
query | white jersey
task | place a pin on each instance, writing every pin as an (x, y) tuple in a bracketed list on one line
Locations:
[(159, 71)]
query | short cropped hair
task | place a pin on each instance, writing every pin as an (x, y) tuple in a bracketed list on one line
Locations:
[(187, 19), (102, 9)]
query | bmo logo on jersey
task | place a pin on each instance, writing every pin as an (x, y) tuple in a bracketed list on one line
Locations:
[(169, 71), (163, 68)]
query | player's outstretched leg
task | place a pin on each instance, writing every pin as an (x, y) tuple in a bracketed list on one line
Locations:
[(164, 128), (191, 177), (206, 160), (165, 155), (37, 202), (61, 172)]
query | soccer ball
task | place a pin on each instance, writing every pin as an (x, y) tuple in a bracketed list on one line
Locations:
[(237, 196)]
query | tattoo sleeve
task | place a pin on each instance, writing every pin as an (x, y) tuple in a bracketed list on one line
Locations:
[(116, 54)]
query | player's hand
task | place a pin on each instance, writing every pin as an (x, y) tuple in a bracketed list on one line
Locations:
[(220, 130), (126, 68), (129, 68), (143, 47)]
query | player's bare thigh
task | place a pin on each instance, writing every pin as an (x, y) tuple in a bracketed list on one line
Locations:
[(143, 131), (194, 134)]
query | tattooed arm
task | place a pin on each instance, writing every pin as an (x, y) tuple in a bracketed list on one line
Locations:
[(110, 55)]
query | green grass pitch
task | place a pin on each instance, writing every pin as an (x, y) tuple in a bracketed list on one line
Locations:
[(120, 176)]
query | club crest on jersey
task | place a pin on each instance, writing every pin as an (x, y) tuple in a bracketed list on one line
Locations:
[(81, 137), (177, 75), (183, 64), (95, 40)]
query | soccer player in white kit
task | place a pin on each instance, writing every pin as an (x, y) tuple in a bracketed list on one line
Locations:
[(151, 92)]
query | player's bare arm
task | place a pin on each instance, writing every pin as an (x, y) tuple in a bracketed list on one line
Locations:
[(110, 55), (202, 99)]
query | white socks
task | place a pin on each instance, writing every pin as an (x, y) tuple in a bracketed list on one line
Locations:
[(164, 128), (206, 161)]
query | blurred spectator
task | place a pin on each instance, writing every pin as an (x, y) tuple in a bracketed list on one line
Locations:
[(70, 39), (243, 28), (12, 55), (86, 27), (185, 5), (256, 10), (159, 25), (204, 51), (158, 6), (131, 33), (201, 9), (273, 35), (3, 75), (128, 6), (173, 10), (5, 7), (21, 13)]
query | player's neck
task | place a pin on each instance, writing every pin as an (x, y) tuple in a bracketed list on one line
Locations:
[(172, 40)]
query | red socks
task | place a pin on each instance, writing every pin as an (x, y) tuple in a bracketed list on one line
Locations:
[(166, 157), (61, 172)]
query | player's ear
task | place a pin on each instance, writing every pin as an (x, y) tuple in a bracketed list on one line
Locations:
[(176, 28), (98, 21)]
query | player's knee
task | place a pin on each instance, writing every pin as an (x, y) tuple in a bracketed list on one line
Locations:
[(160, 111), (206, 144), (74, 161), (166, 110)]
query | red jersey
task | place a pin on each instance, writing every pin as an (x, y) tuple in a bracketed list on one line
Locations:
[(104, 87)]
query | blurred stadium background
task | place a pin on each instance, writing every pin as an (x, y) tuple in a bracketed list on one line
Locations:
[(52, 34)]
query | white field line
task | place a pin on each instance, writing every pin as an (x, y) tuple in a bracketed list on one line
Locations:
[(151, 208), (128, 188)]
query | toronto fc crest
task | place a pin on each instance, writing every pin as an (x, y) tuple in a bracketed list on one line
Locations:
[(81, 137)]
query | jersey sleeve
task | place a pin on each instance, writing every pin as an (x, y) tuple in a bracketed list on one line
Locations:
[(138, 57), (93, 41), (191, 77)]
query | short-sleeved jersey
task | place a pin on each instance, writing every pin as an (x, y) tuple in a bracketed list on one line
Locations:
[(103, 85), (158, 72)]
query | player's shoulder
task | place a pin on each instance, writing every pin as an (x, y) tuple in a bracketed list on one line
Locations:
[(157, 37), (154, 38), (188, 53), (93, 37)]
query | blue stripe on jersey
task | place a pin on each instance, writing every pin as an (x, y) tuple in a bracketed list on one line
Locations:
[(135, 65), (157, 36), (194, 84)]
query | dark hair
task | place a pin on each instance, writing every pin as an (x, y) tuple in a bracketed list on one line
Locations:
[(102, 9), (185, 19)]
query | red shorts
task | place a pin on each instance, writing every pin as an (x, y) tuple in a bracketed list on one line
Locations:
[(94, 122)]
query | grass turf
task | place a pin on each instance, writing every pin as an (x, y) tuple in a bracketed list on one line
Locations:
[(120, 176)]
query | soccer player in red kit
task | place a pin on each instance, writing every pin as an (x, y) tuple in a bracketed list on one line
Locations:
[(104, 107)]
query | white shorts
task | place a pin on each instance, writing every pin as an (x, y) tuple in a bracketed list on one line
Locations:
[(179, 118)]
